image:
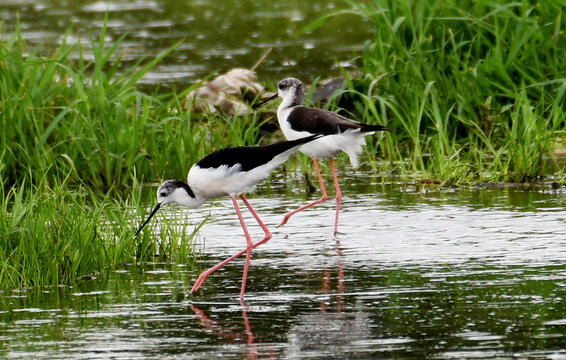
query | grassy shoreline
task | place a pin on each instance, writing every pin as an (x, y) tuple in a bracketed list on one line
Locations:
[(475, 92), (480, 86)]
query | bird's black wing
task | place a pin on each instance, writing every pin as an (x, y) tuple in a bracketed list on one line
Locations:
[(317, 121), (250, 157)]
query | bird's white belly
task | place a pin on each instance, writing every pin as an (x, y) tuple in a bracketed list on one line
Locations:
[(211, 183), (350, 142), (319, 148), (328, 146)]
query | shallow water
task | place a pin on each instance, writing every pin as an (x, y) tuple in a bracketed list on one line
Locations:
[(416, 273), (460, 274), (217, 35)]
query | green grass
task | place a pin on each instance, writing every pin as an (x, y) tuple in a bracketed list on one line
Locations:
[(53, 234), (476, 86), (83, 119), (78, 140), (473, 91)]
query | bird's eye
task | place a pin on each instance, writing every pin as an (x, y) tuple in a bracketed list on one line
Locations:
[(163, 194), (281, 86)]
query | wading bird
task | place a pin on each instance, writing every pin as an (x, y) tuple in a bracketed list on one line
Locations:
[(228, 172), (298, 121)]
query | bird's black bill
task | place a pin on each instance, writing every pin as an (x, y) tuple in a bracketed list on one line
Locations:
[(157, 207), (255, 106)]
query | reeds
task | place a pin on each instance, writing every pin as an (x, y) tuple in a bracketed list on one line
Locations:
[(88, 120)]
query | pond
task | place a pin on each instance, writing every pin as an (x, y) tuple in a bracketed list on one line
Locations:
[(217, 35), (416, 273)]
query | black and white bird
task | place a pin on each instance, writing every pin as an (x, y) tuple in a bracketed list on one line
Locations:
[(228, 172), (298, 121)]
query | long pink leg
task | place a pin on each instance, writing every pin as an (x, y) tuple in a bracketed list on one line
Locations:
[(338, 195), (263, 227), (249, 331), (251, 245), (319, 201), (208, 272)]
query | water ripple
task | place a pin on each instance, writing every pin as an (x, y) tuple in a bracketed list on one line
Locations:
[(435, 276)]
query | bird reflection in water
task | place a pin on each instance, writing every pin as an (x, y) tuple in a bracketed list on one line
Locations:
[(326, 283), (303, 332), (230, 332)]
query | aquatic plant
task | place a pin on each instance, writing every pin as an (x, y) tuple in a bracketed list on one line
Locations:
[(78, 139)]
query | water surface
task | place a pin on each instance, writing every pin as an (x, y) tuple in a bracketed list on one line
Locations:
[(458, 274), (217, 35), (416, 273)]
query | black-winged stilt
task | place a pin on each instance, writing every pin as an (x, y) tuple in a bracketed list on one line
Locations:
[(297, 121), (228, 172)]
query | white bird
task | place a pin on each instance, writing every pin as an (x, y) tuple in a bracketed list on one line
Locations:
[(298, 121), (228, 172)]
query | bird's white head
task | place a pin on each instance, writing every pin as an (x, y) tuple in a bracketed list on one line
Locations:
[(178, 192), (173, 191), (292, 91)]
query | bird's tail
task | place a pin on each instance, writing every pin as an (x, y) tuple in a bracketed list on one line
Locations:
[(368, 127)]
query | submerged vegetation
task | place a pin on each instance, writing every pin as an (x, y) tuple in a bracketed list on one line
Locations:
[(474, 92)]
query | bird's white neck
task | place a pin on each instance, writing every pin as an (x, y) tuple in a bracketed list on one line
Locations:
[(190, 202), (182, 197), (286, 106), (294, 99)]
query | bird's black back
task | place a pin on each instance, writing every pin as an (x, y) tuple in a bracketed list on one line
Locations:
[(250, 157)]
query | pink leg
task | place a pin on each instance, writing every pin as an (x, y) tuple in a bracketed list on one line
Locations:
[(338, 195), (248, 249), (320, 201), (251, 245), (263, 227), (249, 331)]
